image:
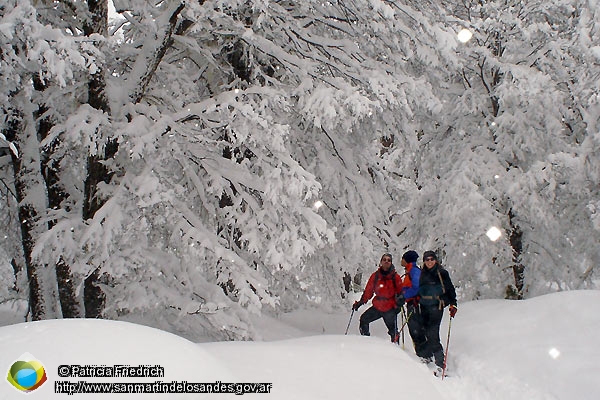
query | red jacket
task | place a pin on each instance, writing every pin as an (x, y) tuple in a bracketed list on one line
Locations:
[(385, 287)]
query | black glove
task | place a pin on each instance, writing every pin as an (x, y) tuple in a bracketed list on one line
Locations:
[(357, 305), (400, 300), (399, 303)]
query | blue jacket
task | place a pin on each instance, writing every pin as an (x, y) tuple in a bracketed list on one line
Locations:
[(410, 284)]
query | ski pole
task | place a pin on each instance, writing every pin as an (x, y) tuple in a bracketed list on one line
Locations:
[(407, 318), (403, 327), (396, 330), (447, 345), (348, 327)]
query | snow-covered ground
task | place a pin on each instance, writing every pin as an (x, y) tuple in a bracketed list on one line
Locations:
[(543, 348)]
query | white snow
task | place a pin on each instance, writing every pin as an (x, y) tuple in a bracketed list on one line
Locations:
[(542, 348)]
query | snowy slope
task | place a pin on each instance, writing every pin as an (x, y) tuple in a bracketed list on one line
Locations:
[(542, 348)]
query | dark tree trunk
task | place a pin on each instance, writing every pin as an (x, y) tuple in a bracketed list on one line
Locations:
[(516, 242), (151, 54), (97, 172), (70, 306), (27, 173), (26, 217), (93, 297)]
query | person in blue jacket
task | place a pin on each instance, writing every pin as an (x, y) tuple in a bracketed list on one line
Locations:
[(410, 291)]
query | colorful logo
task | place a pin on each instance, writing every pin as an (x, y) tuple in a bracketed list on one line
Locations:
[(26, 374)]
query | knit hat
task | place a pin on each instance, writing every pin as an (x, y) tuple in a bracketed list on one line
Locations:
[(428, 254), (410, 256)]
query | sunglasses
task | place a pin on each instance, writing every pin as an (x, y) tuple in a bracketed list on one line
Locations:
[(430, 259), (386, 259)]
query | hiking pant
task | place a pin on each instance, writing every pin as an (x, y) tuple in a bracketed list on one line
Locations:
[(432, 318), (415, 328), (373, 314)]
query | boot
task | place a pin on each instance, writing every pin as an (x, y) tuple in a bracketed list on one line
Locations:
[(364, 330), (439, 358)]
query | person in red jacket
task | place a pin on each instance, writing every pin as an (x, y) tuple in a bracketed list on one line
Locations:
[(386, 285)]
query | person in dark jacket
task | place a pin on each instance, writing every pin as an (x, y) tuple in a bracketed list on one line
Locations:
[(386, 285), (436, 291), (410, 291)]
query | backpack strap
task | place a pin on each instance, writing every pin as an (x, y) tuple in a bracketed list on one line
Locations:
[(442, 302), (441, 280)]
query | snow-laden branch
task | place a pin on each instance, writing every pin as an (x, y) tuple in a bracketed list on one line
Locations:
[(153, 51)]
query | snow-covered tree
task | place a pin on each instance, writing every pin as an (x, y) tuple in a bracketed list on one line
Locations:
[(29, 52), (509, 154), (195, 162)]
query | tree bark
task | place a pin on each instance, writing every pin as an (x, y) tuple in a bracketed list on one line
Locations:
[(32, 199), (516, 242), (69, 304), (150, 56), (97, 172)]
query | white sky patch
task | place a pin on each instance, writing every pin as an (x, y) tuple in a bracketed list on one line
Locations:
[(554, 353)]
